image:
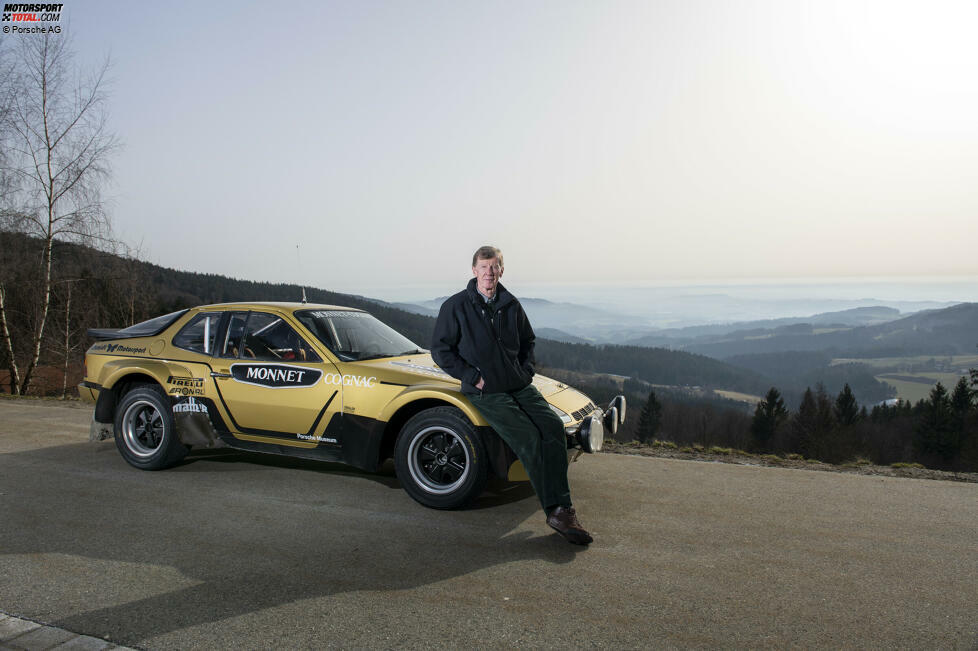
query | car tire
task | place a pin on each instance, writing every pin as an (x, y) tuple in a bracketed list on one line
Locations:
[(440, 459), (144, 429)]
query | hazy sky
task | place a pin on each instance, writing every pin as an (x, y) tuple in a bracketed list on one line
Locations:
[(594, 142)]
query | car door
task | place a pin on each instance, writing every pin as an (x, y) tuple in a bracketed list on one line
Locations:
[(271, 382)]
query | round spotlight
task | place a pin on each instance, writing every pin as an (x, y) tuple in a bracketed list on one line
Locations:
[(611, 420), (591, 434), (619, 403)]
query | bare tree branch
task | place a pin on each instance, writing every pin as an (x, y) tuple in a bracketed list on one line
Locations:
[(54, 161)]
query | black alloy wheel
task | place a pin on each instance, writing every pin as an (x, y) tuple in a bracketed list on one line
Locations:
[(440, 459), (144, 429)]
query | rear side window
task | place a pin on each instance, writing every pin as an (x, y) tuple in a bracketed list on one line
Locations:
[(200, 333)]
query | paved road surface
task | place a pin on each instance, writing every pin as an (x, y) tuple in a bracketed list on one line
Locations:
[(241, 550)]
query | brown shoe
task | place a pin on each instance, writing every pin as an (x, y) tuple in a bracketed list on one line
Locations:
[(564, 521)]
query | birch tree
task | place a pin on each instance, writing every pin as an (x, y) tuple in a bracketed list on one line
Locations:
[(56, 161)]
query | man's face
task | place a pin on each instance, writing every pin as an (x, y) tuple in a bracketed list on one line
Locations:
[(487, 274)]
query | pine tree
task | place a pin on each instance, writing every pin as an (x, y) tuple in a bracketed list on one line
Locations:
[(846, 409), (649, 419), (962, 404), (814, 426), (962, 398), (769, 415), (935, 433), (804, 423)]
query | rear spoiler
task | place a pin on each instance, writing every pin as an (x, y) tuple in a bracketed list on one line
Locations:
[(149, 328), (106, 334)]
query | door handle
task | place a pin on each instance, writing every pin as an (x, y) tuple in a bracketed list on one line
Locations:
[(216, 374)]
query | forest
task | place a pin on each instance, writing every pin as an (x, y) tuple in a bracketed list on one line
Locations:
[(939, 432)]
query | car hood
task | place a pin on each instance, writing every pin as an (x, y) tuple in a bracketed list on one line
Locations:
[(421, 369)]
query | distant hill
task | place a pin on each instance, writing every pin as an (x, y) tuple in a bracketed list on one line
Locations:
[(560, 335), (413, 308), (573, 319), (798, 356), (949, 331), (704, 334)]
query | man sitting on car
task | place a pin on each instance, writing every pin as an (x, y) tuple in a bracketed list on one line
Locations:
[(483, 338)]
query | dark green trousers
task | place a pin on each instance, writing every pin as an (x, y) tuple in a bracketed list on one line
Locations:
[(536, 434)]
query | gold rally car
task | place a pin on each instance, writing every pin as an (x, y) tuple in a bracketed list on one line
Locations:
[(312, 381)]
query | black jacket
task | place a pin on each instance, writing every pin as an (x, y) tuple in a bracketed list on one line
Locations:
[(473, 340)]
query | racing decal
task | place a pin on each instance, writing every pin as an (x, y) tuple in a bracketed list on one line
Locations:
[(185, 386), (189, 405), (419, 368), (350, 380), (118, 348), (321, 439), (275, 376), (348, 314)]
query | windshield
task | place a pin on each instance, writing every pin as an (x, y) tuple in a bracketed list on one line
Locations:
[(355, 336)]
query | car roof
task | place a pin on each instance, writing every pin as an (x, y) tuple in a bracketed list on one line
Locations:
[(280, 305)]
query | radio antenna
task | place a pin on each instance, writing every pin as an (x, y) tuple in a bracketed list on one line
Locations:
[(299, 265)]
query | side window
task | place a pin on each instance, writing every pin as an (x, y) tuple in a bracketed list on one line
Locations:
[(231, 346), (268, 338), (200, 334)]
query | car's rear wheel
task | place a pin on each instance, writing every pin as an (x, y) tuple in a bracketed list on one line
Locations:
[(440, 459), (144, 430)]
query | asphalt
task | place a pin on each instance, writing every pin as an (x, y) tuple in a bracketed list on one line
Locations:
[(19, 634), (251, 551)]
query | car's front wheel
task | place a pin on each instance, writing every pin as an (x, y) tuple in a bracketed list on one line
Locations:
[(144, 430), (440, 459)]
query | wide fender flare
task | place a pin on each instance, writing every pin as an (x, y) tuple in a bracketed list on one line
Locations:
[(454, 398), (118, 369)]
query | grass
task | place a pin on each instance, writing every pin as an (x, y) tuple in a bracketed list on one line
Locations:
[(893, 363), (903, 464), (740, 397), (910, 367), (920, 389)]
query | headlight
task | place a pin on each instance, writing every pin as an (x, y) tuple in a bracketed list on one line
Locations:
[(564, 416)]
